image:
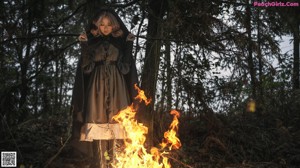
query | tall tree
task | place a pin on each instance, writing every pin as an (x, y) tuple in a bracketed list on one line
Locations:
[(251, 65), (295, 26), (156, 11), (291, 21), (30, 31)]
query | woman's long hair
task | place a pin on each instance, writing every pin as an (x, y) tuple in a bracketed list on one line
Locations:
[(116, 30)]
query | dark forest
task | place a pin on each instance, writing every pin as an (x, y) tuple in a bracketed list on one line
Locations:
[(231, 68)]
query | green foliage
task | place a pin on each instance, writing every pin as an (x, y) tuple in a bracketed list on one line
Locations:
[(36, 140), (203, 69), (245, 139), (39, 52)]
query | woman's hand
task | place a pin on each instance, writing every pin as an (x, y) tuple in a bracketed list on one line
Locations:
[(82, 37)]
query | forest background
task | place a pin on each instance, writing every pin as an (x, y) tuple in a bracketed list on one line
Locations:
[(212, 60)]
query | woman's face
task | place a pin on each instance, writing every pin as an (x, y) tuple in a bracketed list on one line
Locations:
[(105, 26)]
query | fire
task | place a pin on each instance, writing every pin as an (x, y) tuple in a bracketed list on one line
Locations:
[(135, 154), (141, 95), (170, 137)]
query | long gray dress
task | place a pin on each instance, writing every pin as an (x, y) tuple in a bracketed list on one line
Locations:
[(106, 94)]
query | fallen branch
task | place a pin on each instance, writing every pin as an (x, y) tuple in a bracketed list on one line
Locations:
[(58, 152), (178, 161)]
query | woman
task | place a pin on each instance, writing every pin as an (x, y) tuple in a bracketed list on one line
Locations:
[(104, 85)]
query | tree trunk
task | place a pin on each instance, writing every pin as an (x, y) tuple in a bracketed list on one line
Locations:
[(169, 75), (250, 56), (178, 89), (56, 79), (24, 63), (296, 55), (260, 101), (151, 64)]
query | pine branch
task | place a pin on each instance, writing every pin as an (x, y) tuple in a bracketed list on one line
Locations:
[(40, 37)]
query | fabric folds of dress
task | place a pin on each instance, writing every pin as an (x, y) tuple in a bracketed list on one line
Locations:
[(106, 94)]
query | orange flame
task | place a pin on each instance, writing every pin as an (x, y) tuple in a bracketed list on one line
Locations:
[(135, 154), (141, 95), (170, 136)]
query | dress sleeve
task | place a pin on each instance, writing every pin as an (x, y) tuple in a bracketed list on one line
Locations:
[(87, 64), (127, 58)]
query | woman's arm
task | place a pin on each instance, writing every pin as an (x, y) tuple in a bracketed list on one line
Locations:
[(87, 64), (125, 64)]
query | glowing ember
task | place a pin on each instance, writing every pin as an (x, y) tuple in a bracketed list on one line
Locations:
[(135, 154)]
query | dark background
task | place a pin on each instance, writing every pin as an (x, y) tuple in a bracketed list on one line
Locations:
[(208, 59)]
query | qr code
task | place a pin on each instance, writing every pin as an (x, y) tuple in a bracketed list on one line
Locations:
[(8, 159)]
